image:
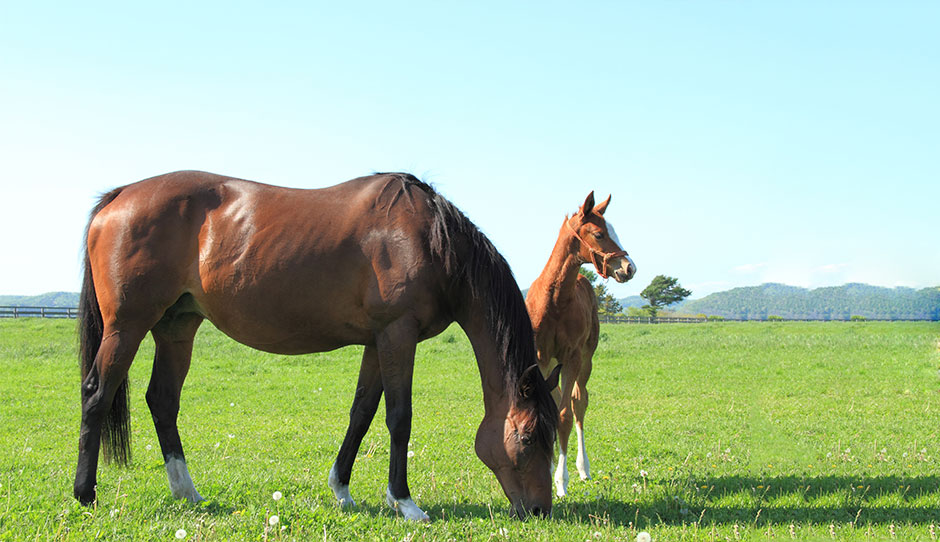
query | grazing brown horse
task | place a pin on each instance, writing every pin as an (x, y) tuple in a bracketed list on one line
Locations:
[(563, 309), (382, 261)]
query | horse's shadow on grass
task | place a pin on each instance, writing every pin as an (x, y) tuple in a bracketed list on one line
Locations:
[(772, 501), (728, 500)]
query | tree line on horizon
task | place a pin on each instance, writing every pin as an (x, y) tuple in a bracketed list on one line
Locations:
[(772, 300)]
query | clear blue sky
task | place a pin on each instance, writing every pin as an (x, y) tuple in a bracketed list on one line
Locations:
[(743, 142)]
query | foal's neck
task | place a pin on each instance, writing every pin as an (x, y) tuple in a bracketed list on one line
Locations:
[(560, 274)]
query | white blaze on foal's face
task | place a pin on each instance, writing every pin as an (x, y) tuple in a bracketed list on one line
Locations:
[(626, 268)]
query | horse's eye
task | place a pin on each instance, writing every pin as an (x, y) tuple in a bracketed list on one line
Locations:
[(598, 235), (526, 440)]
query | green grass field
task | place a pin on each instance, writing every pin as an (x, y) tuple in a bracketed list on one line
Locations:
[(717, 431)]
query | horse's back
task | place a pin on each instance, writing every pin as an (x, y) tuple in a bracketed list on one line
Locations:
[(268, 265)]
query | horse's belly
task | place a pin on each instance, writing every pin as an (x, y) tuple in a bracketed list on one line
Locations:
[(290, 327)]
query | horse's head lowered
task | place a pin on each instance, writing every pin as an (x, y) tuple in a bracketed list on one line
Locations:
[(517, 445), (599, 243)]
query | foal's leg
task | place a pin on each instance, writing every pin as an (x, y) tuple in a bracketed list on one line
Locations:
[(109, 371), (174, 349), (569, 372), (579, 399), (365, 403), (396, 346)]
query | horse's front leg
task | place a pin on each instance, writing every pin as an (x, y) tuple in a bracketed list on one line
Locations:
[(365, 403), (396, 347)]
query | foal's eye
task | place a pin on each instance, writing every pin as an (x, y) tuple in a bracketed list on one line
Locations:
[(598, 235)]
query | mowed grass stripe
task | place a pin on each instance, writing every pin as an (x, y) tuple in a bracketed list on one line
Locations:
[(695, 432)]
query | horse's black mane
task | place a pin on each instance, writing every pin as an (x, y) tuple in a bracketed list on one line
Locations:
[(489, 277)]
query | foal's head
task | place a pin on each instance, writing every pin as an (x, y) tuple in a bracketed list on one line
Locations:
[(517, 444), (598, 241)]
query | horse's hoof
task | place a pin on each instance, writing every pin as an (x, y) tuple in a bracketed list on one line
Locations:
[(340, 491), (407, 508)]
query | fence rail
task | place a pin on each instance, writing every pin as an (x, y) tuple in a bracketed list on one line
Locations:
[(72, 312), (617, 319), (38, 312)]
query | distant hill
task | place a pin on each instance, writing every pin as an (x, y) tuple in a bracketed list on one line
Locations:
[(51, 299), (832, 303), (632, 301)]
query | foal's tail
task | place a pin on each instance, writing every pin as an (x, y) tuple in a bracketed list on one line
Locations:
[(115, 432)]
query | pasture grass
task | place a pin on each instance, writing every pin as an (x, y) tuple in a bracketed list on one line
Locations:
[(718, 431)]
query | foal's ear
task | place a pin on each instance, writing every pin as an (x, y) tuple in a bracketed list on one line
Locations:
[(602, 206), (552, 381), (588, 205)]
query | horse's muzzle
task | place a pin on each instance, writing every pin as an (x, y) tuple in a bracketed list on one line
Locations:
[(519, 512)]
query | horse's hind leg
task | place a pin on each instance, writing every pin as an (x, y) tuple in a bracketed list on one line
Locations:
[(107, 374), (365, 403), (173, 338)]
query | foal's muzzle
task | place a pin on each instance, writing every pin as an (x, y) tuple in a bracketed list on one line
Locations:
[(625, 272)]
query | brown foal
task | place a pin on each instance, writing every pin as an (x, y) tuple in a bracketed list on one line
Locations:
[(563, 309)]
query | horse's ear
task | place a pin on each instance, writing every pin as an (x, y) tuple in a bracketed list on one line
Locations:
[(588, 205), (552, 381), (602, 206), (526, 383)]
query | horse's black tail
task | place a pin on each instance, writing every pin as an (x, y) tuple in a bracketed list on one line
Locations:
[(115, 433)]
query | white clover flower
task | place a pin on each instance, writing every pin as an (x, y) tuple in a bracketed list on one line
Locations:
[(181, 534), (148, 447), (231, 404), (411, 453), (273, 520), (643, 536), (644, 474), (231, 435), (276, 495)]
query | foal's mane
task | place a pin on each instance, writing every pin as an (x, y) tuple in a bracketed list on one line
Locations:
[(489, 278)]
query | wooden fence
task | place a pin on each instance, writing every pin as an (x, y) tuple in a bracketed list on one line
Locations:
[(72, 312), (38, 312), (620, 319)]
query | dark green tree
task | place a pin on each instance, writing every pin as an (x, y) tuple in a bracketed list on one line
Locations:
[(607, 304), (662, 292)]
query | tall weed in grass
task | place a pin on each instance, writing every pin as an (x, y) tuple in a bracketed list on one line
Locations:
[(714, 431)]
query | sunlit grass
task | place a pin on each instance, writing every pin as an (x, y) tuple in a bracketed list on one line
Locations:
[(743, 431)]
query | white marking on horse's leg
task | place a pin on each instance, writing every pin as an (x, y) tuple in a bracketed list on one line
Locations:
[(340, 491), (584, 466), (181, 484), (406, 507), (561, 476)]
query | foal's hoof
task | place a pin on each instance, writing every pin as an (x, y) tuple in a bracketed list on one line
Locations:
[(406, 507)]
